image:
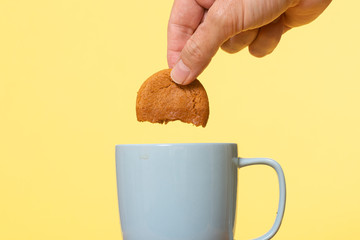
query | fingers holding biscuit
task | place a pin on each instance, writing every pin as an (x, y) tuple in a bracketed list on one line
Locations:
[(199, 49), (185, 17), (196, 55)]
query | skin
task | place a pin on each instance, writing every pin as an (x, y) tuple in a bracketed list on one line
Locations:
[(198, 28)]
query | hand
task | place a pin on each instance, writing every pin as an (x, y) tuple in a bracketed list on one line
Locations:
[(198, 28)]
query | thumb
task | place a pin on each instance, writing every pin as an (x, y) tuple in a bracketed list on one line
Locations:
[(200, 48)]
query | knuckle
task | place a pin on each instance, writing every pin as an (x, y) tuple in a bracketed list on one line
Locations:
[(226, 18)]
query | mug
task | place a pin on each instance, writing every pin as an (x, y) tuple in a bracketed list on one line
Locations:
[(184, 191)]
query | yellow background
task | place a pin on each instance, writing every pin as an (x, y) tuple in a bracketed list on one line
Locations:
[(69, 73)]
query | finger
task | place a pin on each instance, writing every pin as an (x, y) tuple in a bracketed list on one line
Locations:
[(305, 12), (267, 39), (203, 44), (185, 17), (239, 41)]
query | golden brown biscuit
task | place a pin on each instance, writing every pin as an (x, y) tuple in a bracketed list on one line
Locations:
[(160, 100)]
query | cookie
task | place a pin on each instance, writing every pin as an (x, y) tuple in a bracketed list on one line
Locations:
[(161, 100)]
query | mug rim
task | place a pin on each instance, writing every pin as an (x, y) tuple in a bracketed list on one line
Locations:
[(173, 144)]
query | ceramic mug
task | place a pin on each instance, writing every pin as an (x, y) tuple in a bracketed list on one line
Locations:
[(183, 191)]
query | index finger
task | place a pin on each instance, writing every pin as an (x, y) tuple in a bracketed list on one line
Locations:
[(185, 17)]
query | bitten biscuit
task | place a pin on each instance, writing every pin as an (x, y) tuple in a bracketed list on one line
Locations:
[(160, 100)]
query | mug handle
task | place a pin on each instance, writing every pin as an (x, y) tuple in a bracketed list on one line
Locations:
[(243, 162)]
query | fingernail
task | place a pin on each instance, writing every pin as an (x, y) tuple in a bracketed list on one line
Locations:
[(180, 72)]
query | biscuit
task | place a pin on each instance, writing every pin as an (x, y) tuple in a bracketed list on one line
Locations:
[(161, 100)]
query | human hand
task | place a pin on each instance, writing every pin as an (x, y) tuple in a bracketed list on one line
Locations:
[(198, 28)]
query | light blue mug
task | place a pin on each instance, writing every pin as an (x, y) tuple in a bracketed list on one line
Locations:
[(183, 191)]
